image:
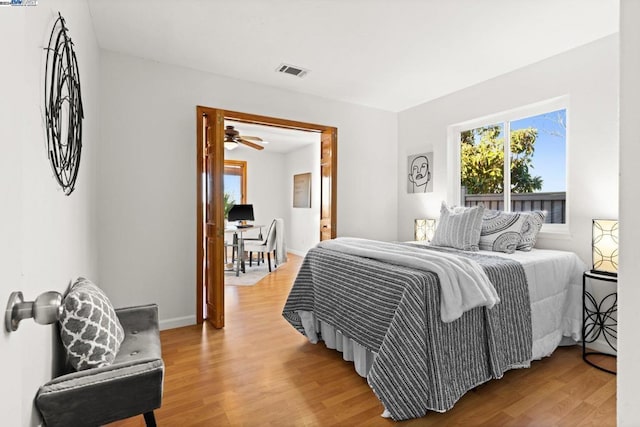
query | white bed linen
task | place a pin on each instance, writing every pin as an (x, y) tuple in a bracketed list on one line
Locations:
[(555, 288)]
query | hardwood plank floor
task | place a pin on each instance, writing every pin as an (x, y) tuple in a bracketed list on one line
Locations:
[(259, 371)]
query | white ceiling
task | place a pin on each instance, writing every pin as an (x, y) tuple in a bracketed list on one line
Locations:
[(385, 54), (275, 139)]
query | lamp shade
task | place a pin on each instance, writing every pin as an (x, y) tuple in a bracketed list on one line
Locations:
[(605, 246), (424, 229)]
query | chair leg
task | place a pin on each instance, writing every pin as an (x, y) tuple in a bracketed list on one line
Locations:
[(150, 419), (234, 248), (269, 260), (250, 258)]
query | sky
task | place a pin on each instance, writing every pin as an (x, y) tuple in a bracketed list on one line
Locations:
[(549, 158), (232, 186)]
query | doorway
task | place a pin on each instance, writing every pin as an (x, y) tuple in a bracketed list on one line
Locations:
[(210, 209)]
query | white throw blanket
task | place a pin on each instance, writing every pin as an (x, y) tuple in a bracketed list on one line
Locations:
[(281, 247), (463, 283)]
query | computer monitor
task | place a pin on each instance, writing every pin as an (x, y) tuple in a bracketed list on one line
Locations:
[(241, 213)]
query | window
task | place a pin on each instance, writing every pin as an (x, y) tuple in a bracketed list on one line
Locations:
[(534, 174), (235, 181)]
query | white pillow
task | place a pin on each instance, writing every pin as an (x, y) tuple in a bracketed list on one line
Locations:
[(501, 231), (459, 227), (532, 225)]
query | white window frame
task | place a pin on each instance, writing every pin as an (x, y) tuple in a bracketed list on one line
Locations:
[(505, 117)]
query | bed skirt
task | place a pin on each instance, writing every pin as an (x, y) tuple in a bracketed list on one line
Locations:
[(352, 351)]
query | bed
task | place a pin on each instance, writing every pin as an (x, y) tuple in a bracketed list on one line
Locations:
[(389, 316)]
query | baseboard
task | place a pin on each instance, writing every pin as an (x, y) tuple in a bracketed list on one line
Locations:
[(297, 252), (177, 322), (601, 346)]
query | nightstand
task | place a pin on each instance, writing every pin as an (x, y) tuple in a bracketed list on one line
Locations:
[(599, 316)]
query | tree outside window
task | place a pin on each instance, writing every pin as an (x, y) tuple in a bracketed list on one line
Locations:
[(536, 176)]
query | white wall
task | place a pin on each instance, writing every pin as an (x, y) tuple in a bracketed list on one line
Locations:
[(270, 190), (303, 224), (589, 76), (147, 177), (628, 288), (47, 239), (266, 184)]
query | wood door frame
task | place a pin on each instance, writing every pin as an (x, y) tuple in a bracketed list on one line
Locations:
[(328, 133)]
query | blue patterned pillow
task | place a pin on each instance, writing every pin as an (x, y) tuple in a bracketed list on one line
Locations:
[(89, 327), (459, 227), (501, 231), (533, 223)]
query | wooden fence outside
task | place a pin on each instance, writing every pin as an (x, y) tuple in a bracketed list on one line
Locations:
[(554, 203)]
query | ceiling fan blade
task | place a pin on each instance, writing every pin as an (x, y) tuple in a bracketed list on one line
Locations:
[(253, 138), (250, 144)]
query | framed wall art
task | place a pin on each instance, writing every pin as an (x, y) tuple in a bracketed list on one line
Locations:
[(420, 173), (302, 190)]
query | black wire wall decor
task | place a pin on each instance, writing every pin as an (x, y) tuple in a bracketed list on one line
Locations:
[(63, 105)]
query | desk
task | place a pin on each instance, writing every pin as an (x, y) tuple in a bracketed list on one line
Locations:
[(238, 233)]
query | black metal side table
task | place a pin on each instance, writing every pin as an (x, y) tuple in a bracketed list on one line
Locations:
[(599, 318)]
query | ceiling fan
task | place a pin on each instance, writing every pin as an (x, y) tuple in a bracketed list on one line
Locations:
[(232, 139)]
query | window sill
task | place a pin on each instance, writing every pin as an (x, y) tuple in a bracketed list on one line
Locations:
[(555, 231)]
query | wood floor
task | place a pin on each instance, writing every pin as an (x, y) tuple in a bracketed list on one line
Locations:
[(259, 371)]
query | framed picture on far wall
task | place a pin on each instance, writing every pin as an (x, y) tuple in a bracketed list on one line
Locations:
[(420, 173), (302, 190)]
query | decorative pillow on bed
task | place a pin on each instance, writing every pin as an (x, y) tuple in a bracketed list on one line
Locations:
[(89, 327), (501, 231), (459, 227), (532, 226)]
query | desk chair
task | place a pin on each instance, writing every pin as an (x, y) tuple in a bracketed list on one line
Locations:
[(265, 246)]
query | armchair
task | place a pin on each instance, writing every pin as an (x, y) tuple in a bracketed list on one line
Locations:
[(132, 385)]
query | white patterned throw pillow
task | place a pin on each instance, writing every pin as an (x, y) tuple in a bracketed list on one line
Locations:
[(459, 227), (532, 226), (89, 327), (501, 231)]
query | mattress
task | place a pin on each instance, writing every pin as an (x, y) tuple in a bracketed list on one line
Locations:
[(554, 279)]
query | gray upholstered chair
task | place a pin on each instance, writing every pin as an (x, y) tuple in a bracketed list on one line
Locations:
[(131, 386)]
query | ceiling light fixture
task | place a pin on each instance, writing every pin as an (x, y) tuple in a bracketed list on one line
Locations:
[(230, 143)]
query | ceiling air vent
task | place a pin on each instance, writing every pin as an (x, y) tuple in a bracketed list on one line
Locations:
[(290, 69)]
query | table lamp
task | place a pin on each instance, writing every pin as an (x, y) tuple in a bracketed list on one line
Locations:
[(423, 229), (605, 247)]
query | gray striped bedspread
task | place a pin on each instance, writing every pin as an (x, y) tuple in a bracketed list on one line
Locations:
[(421, 362)]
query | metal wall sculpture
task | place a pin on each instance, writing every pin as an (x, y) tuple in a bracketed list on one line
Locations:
[(63, 105)]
